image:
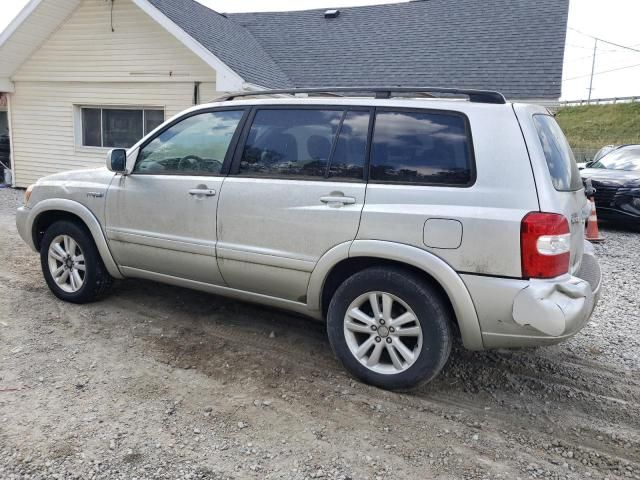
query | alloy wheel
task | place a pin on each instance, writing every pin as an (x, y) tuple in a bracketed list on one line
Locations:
[(382, 332), (66, 263)]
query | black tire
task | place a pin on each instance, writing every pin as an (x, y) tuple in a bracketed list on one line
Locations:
[(427, 304), (96, 279)]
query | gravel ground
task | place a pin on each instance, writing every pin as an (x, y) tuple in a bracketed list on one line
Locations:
[(160, 382)]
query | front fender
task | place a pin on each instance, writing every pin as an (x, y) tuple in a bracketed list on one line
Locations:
[(26, 219), (446, 276)]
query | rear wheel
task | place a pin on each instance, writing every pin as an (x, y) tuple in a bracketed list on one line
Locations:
[(389, 328), (71, 264)]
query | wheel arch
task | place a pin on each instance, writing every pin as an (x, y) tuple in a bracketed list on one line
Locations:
[(348, 258), (46, 212)]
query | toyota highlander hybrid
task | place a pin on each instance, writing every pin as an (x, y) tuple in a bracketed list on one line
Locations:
[(402, 217)]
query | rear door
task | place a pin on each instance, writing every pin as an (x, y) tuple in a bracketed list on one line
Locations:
[(558, 181), (296, 190)]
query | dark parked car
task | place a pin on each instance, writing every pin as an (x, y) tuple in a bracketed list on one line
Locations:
[(616, 179)]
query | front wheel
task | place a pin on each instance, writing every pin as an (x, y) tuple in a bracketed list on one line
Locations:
[(71, 264), (389, 328)]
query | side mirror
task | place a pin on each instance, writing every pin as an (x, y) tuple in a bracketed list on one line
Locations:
[(588, 188), (117, 160)]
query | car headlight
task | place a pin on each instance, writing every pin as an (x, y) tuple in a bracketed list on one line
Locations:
[(27, 194)]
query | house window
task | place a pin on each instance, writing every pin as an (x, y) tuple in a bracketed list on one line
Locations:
[(117, 127)]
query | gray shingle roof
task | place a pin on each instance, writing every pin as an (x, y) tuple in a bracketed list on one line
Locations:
[(513, 46), (226, 39)]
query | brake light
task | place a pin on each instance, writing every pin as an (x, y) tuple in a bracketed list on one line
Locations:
[(545, 245)]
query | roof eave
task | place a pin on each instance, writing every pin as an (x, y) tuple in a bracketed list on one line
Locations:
[(18, 20), (227, 79)]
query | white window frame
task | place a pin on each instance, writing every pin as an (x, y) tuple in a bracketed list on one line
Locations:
[(77, 114)]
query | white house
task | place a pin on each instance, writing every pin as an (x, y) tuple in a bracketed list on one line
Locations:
[(77, 87), (80, 76)]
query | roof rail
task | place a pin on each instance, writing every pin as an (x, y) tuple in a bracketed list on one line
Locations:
[(476, 96)]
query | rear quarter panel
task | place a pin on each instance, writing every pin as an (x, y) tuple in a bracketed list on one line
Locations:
[(572, 204), (489, 211)]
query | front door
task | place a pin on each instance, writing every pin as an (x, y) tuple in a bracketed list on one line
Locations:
[(162, 217), (295, 191)]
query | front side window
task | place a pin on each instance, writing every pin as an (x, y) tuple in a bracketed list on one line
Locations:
[(290, 143), (196, 145), (563, 169), (421, 148), (117, 127)]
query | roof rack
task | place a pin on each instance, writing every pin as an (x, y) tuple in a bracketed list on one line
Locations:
[(476, 96)]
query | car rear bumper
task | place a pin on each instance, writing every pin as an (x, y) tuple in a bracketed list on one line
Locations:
[(524, 313)]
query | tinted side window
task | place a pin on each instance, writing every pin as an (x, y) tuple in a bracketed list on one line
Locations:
[(290, 142), (562, 165), (421, 147), (349, 155), (196, 145)]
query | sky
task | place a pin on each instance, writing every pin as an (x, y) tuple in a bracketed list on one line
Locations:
[(611, 20)]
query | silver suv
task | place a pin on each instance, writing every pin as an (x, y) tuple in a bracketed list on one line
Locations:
[(403, 222)]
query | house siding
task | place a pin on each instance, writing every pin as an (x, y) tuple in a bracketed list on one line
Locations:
[(43, 119), (84, 63), (139, 49)]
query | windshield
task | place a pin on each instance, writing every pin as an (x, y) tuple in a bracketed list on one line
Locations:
[(625, 158), (603, 151)]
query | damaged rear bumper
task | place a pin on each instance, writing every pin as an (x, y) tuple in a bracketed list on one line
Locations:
[(521, 313)]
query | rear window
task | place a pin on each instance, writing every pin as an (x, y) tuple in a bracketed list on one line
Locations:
[(432, 148), (307, 143), (564, 172), (290, 143)]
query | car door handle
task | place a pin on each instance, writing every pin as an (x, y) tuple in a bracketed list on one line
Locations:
[(338, 199), (205, 192)]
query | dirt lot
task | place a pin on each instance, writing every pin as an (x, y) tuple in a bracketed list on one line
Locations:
[(161, 382)]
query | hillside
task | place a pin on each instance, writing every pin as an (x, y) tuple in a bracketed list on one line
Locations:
[(592, 126)]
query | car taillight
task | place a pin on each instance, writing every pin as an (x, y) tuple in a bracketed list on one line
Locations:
[(545, 245)]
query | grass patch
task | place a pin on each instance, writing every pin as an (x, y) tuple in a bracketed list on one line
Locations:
[(592, 126)]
